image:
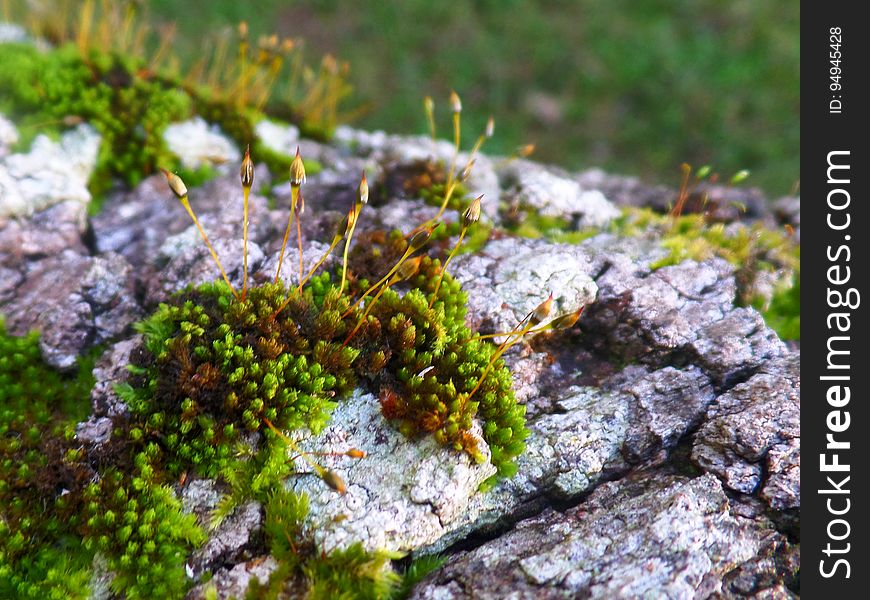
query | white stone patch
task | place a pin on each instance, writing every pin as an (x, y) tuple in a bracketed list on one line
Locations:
[(280, 137), (551, 195), (402, 495), (50, 173), (198, 144)]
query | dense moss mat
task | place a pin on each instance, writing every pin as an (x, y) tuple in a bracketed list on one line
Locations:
[(40, 554), (212, 372), (129, 107)]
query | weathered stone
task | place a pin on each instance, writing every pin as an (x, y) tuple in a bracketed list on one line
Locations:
[(765, 576), (232, 540), (404, 215), (402, 495), (509, 278), (665, 405), (184, 260), (591, 434), (233, 582), (661, 535), (50, 173), (47, 232), (749, 422), (75, 302), (136, 224), (94, 431), (24, 241), (735, 346), (655, 316), (782, 490)]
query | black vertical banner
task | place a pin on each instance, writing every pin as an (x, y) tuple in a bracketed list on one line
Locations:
[(835, 240)]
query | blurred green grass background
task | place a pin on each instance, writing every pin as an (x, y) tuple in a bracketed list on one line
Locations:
[(634, 86)]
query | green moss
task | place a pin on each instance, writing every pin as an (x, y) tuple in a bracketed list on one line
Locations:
[(554, 229), (40, 553), (216, 367), (130, 111), (434, 196), (138, 524)]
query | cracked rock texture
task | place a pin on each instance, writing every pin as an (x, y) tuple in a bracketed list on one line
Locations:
[(664, 450), (750, 437), (661, 536), (510, 277)]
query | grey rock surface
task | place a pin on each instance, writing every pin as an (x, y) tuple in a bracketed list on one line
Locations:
[(736, 346), (75, 302), (233, 539), (400, 496), (653, 316), (233, 582), (509, 278), (657, 536), (666, 404), (750, 433)]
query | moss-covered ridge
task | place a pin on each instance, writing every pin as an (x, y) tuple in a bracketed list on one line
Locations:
[(215, 367)]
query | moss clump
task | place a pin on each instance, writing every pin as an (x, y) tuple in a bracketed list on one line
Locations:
[(40, 478), (215, 370), (128, 104), (59, 504), (137, 523), (215, 367)]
